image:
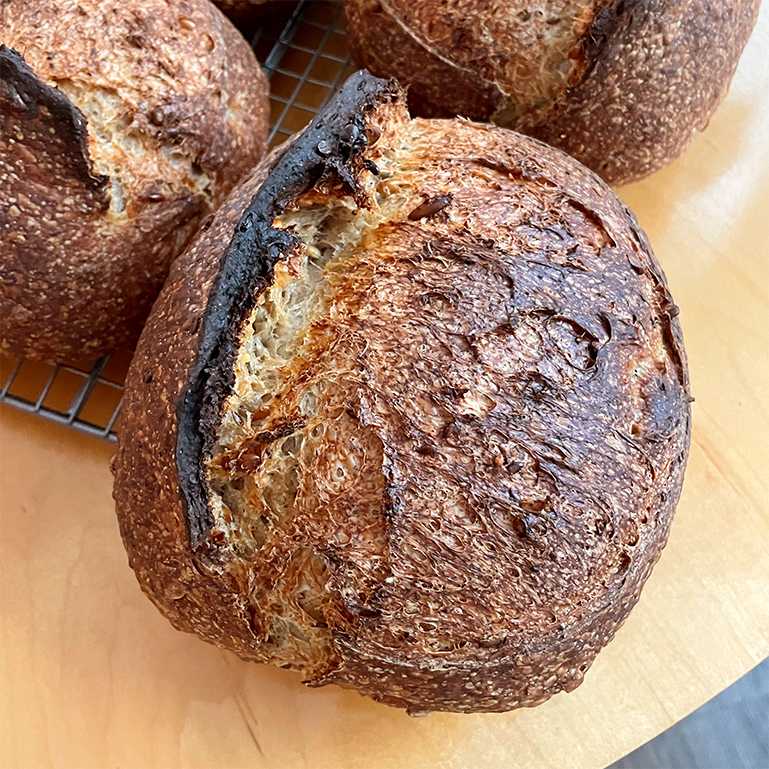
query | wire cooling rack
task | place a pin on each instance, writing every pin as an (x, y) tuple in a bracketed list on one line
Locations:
[(304, 51)]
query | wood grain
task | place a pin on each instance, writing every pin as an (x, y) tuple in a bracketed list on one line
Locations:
[(92, 676)]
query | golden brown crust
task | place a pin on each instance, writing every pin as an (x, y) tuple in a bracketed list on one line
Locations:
[(503, 367), (622, 87), (170, 107)]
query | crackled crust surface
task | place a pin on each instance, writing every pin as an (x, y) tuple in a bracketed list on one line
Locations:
[(423, 437), (125, 123), (621, 86)]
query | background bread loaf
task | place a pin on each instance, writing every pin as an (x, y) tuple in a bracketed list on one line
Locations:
[(411, 415), (124, 124), (621, 86)]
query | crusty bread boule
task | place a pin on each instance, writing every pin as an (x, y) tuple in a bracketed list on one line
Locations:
[(124, 123), (410, 416), (620, 85)]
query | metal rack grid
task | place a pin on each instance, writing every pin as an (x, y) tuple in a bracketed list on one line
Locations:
[(305, 54)]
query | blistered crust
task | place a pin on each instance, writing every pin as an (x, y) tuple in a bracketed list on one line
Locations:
[(497, 433)]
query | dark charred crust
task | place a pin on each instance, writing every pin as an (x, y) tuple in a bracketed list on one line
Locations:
[(430, 207), (243, 11), (604, 25), (649, 64), (327, 151), (22, 93), (250, 454)]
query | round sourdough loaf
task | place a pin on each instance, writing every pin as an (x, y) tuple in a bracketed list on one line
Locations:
[(411, 415), (619, 84), (124, 123)]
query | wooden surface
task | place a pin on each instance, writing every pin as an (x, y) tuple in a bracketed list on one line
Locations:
[(92, 676)]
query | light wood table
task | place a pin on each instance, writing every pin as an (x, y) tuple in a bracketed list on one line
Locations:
[(92, 676)]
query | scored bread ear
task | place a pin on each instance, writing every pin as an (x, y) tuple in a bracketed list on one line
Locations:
[(44, 136), (328, 151)]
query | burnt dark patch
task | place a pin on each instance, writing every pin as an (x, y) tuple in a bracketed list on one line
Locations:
[(430, 207), (247, 266), (603, 28), (250, 454), (24, 94)]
